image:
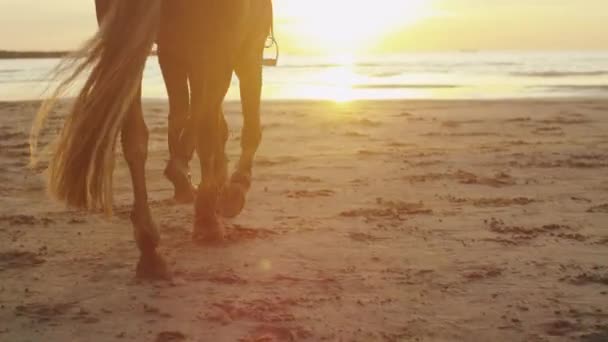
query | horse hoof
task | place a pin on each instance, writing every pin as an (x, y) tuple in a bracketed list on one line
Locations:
[(209, 231), (232, 200), (152, 266)]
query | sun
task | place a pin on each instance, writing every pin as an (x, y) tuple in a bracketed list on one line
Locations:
[(347, 26)]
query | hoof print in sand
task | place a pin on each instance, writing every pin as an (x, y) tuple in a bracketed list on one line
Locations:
[(309, 193), (498, 180), (239, 234), (260, 310), (269, 333), (25, 220), (16, 259), (391, 210), (222, 276), (519, 234), (600, 335), (463, 177), (599, 209), (482, 273), (561, 328), (44, 312), (364, 237), (498, 202), (170, 336), (588, 278)]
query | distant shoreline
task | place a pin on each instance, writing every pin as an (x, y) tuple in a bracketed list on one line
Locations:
[(7, 54)]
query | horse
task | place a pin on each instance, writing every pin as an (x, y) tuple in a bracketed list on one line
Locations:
[(200, 44)]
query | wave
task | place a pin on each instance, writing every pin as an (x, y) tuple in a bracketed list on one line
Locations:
[(576, 87), (25, 81), (334, 65), (560, 73), (406, 86)]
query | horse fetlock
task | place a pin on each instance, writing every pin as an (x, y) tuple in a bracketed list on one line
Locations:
[(146, 232), (242, 175), (177, 172), (251, 139), (221, 171)]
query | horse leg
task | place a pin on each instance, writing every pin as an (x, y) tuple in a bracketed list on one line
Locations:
[(209, 87), (249, 71), (134, 140), (177, 171)]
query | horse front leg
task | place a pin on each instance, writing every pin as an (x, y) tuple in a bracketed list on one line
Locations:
[(234, 195), (207, 225), (134, 140)]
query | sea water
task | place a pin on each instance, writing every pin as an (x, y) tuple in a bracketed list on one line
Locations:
[(440, 75)]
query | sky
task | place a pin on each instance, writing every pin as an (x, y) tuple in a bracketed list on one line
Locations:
[(348, 26)]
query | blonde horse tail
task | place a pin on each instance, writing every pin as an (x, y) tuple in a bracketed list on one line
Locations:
[(82, 163)]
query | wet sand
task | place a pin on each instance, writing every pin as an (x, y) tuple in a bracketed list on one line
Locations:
[(371, 221)]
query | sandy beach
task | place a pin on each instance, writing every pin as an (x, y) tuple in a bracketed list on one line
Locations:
[(367, 221)]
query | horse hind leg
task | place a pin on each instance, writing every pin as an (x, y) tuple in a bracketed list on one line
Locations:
[(177, 170), (234, 195), (135, 148)]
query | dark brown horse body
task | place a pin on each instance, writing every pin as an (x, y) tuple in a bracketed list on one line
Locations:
[(200, 44)]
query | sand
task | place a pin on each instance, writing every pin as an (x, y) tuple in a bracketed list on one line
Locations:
[(371, 221)]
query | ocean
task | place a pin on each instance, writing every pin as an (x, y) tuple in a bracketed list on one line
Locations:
[(453, 75)]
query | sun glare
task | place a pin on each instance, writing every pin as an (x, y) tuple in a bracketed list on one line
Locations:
[(342, 79), (336, 26)]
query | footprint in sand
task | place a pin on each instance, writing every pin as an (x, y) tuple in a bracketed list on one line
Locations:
[(519, 234), (482, 273), (364, 237), (392, 210), (218, 276), (170, 336), (237, 234), (580, 161), (498, 202), (519, 119), (367, 123), (456, 124), (259, 310), (267, 162), (43, 312), (600, 335), (498, 180), (549, 131), (270, 333), (19, 259), (291, 178), (561, 327), (574, 119), (25, 220), (603, 208), (298, 194), (355, 134), (590, 277)]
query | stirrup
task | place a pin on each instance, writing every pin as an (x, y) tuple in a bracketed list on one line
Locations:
[(271, 42)]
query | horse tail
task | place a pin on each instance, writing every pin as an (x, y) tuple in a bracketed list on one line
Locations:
[(82, 164)]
